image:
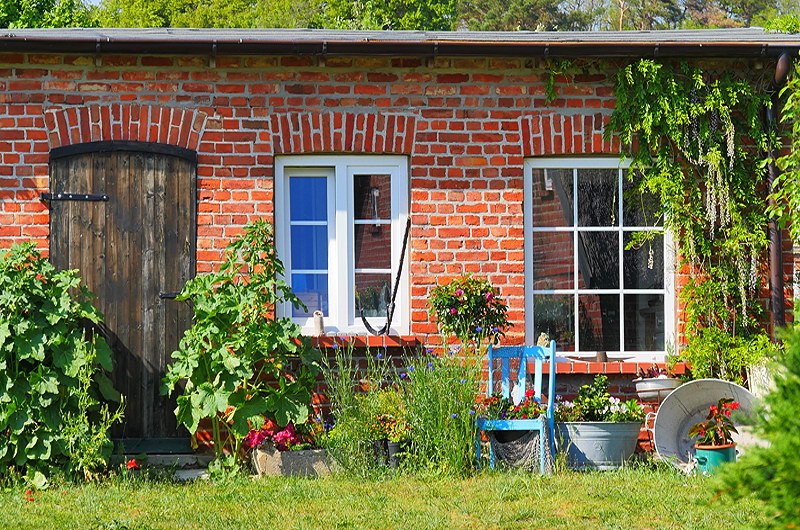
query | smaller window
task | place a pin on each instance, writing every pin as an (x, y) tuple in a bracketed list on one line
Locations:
[(597, 266), (340, 225)]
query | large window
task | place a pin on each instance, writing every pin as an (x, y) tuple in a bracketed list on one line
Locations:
[(340, 222), (597, 262)]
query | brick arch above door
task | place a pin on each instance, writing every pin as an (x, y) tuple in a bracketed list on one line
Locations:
[(337, 132), (143, 123), (552, 133)]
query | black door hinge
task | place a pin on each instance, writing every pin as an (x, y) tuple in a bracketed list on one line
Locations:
[(92, 197)]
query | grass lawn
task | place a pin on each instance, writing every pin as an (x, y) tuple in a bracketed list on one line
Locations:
[(632, 498)]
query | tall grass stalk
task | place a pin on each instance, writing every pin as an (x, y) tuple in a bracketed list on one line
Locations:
[(439, 397), (356, 398)]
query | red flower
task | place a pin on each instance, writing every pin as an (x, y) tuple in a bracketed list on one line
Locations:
[(28, 492), (530, 393), (132, 464)]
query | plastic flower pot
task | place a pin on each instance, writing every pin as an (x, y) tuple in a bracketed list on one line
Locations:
[(709, 457), (394, 451), (381, 451), (597, 444)]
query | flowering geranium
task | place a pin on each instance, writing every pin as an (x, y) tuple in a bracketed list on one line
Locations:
[(284, 439), (495, 407), (718, 427)]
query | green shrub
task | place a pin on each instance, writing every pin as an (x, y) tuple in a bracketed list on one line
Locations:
[(772, 473), (237, 361), (51, 371)]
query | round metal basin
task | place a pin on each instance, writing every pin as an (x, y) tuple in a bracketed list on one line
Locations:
[(688, 404)]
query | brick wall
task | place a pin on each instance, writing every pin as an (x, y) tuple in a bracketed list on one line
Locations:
[(466, 123)]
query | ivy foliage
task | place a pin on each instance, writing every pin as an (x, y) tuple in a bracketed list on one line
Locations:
[(237, 363), (52, 373), (787, 185), (696, 139)]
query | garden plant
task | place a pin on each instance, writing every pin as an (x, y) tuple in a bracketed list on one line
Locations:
[(54, 387), (238, 362)]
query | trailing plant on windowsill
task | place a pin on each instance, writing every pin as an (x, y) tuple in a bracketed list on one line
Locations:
[(52, 372), (237, 362), (697, 140)]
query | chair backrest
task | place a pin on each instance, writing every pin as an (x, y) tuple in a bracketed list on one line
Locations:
[(539, 355)]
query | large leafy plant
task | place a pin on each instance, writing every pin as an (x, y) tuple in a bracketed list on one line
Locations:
[(237, 362), (51, 371), (594, 403)]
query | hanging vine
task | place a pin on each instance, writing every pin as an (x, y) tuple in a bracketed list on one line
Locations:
[(697, 140)]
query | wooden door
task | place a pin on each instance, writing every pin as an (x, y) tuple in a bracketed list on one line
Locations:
[(134, 250)]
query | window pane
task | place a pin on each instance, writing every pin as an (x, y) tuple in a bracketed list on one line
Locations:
[(372, 196), (552, 197), (644, 322), (597, 197), (598, 260), (552, 260), (374, 290), (553, 314), (373, 246), (599, 322), (309, 247), (312, 289), (308, 198), (643, 266), (640, 207)]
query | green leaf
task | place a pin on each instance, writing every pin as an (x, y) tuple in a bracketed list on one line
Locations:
[(252, 411), (106, 388), (103, 354)]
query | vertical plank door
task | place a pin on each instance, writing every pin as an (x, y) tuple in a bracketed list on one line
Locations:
[(134, 251)]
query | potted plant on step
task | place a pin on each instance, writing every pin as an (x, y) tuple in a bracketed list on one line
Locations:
[(289, 450), (655, 384), (596, 430), (715, 444)]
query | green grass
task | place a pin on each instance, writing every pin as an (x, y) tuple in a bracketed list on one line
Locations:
[(632, 498)]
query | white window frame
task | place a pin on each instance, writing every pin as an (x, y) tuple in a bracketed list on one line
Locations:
[(340, 170), (530, 231)]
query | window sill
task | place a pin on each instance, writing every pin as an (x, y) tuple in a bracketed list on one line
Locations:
[(366, 341), (618, 367)]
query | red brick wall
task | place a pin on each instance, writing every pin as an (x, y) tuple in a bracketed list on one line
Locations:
[(465, 123)]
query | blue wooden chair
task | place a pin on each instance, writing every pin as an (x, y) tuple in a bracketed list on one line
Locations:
[(524, 354)]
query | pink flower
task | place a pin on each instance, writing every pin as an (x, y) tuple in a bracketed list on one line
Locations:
[(459, 292), (286, 438), (489, 296), (453, 310)]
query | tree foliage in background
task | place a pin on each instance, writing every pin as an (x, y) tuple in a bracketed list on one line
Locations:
[(44, 14)]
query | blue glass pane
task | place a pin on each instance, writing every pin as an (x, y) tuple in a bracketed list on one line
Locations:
[(308, 198), (312, 289), (310, 247)]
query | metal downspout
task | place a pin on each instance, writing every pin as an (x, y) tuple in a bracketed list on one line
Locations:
[(776, 283)]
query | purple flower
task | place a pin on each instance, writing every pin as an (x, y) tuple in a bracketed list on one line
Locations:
[(410, 368), (478, 329), (453, 415), (429, 350), (495, 329), (463, 381), (379, 356), (430, 364), (335, 346), (402, 375), (471, 412)]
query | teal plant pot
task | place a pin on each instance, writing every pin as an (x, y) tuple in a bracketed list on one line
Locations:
[(709, 457)]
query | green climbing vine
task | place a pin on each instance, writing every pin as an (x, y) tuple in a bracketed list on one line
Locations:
[(698, 141), (787, 184)]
